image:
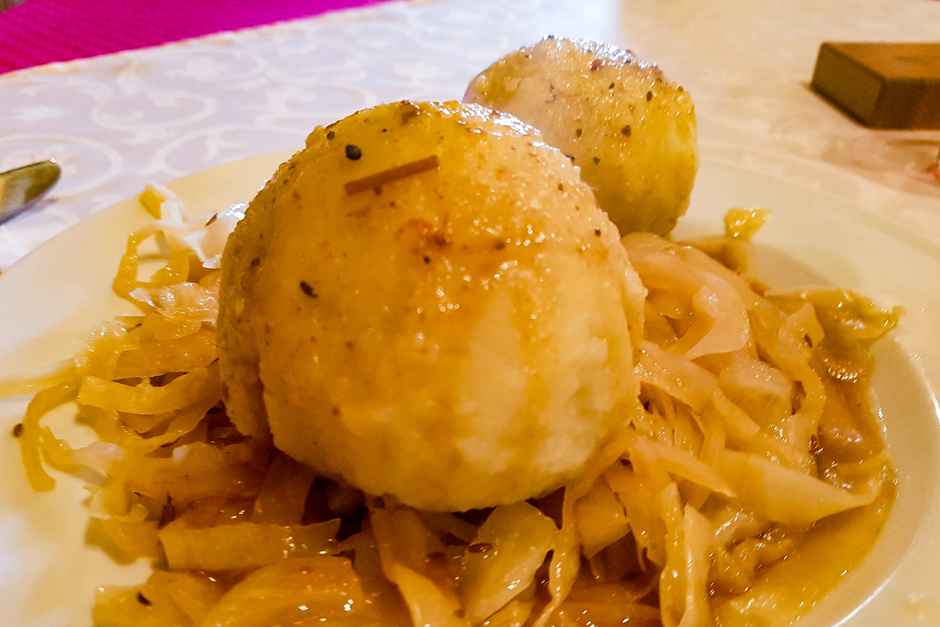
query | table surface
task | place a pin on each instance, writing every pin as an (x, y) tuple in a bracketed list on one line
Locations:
[(119, 121), (43, 31)]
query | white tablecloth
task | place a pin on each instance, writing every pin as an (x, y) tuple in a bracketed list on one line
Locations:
[(119, 121)]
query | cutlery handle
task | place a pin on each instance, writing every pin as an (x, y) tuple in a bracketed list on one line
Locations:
[(23, 186)]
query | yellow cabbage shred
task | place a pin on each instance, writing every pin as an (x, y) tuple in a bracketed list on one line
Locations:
[(749, 470)]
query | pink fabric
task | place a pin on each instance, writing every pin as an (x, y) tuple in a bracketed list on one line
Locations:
[(42, 31)]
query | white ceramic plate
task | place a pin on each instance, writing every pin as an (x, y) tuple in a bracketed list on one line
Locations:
[(54, 297)]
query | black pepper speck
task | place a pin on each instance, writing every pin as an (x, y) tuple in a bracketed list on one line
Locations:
[(353, 152), (17, 429), (597, 160), (626, 130), (330, 134), (143, 600), (649, 96), (578, 132), (308, 290)]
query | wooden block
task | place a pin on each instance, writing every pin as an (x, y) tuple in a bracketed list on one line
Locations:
[(883, 85)]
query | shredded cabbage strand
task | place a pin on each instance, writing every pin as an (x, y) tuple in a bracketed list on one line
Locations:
[(744, 478)]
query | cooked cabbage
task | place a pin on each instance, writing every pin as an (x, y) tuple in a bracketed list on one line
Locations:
[(501, 561), (745, 478)]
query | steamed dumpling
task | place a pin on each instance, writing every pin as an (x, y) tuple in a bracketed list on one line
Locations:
[(630, 129), (427, 303)]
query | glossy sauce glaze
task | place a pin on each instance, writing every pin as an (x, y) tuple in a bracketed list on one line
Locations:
[(434, 305)]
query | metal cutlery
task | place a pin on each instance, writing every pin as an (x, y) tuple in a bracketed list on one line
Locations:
[(21, 187)]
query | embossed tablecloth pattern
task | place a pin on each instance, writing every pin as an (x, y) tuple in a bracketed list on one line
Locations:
[(119, 121)]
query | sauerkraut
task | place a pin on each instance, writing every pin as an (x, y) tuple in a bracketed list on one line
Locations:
[(751, 451)]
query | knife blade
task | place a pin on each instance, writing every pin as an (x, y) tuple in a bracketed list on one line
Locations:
[(22, 187)]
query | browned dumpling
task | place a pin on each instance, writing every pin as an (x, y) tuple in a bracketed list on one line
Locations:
[(631, 131), (426, 302)]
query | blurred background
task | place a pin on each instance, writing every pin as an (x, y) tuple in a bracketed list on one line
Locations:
[(43, 31), (124, 91)]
